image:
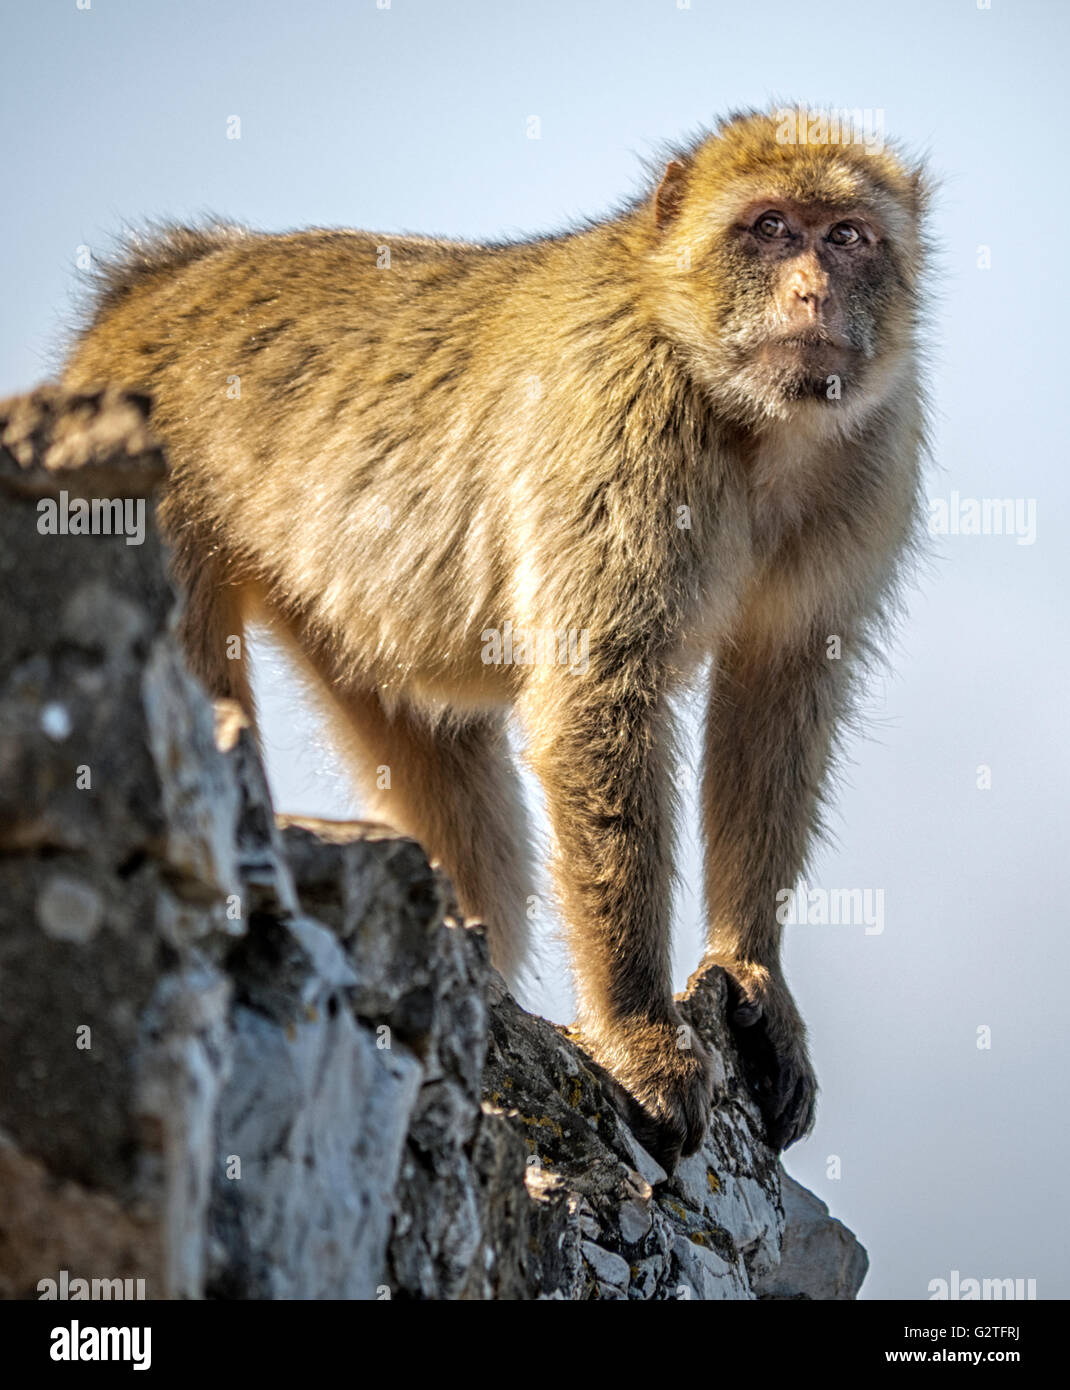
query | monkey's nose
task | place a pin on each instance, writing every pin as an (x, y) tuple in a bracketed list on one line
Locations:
[(813, 299), (808, 290)]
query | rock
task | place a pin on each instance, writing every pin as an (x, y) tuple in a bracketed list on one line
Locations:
[(819, 1257), (260, 1057), (308, 1147), (610, 1270)]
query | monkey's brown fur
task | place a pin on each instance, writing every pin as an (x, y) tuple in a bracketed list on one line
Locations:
[(477, 434)]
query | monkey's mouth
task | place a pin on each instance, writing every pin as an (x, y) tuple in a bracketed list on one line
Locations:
[(806, 356), (805, 364), (815, 341)]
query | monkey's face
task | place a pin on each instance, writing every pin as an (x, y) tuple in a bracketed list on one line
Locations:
[(790, 273), (807, 313)]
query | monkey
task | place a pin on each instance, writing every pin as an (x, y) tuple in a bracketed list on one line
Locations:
[(690, 431)]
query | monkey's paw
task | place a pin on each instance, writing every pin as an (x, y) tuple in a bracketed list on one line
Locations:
[(772, 1045), (667, 1082)]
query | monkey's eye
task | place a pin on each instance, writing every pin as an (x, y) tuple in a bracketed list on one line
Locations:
[(771, 225), (843, 234)]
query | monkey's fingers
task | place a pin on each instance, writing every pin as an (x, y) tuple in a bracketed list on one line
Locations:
[(667, 1103), (744, 1011), (780, 1079), (791, 1116), (667, 1142), (674, 1125)]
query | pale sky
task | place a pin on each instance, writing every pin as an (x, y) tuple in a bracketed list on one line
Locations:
[(414, 118)]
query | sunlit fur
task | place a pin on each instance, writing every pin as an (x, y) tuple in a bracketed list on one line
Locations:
[(567, 432)]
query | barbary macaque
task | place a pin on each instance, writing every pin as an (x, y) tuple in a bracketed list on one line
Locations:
[(683, 437)]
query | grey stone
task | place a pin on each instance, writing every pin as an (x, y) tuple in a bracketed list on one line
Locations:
[(635, 1219), (608, 1268), (819, 1258)]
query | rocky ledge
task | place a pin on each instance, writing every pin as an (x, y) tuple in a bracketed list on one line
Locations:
[(249, 1056)]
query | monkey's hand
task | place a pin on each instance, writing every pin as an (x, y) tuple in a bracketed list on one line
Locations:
[(667, 1077), (771, 1039)]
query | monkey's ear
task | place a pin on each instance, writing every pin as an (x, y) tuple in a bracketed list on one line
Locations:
[(670, 193)]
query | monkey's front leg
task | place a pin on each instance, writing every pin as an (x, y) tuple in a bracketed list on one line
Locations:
[(602, 751), (772, 712)]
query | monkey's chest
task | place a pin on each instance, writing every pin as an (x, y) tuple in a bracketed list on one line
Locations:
[(786, 485)]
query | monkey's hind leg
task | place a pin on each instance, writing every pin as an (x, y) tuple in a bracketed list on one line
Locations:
[(212, 632), (217, 602), (454, 788)]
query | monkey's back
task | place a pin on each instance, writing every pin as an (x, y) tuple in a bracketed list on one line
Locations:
[(334, 419), (397, 447)]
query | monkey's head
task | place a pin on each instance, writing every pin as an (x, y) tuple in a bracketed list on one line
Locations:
[(788, 268)]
